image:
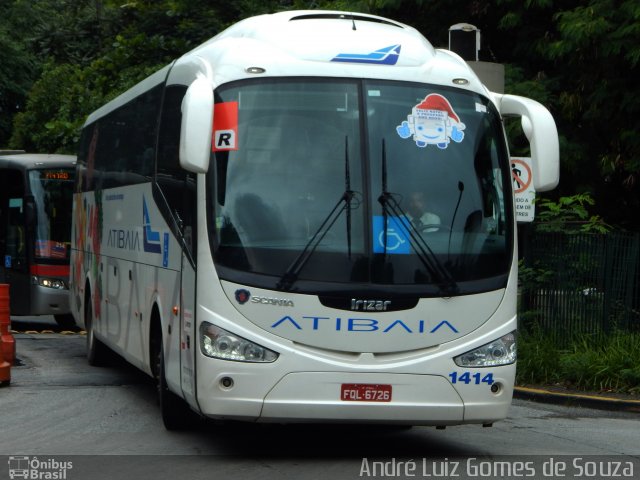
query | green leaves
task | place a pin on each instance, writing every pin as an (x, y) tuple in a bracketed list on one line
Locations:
[(569, 214), (78, 54)]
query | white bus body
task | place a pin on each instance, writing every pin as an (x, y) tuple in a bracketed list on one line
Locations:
[(247, 227)]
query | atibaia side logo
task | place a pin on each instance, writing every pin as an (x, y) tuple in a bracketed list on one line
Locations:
[(432, 122), (152, 241)]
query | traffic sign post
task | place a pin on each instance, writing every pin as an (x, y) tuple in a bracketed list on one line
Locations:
[(524, 193)]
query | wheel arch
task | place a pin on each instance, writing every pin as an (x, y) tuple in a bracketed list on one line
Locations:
[(86, 297), (155, 338)]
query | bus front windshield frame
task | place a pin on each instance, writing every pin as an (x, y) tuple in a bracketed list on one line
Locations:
[(342, 184), (52, 191)]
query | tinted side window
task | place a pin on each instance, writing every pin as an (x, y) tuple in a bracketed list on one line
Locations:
[(120, 148), (178, 187), (85, 166), (169, 138)]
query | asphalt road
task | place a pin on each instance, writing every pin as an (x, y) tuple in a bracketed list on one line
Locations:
[(106, 422)]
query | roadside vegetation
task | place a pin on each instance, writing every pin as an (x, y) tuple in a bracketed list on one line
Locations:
[(589, 360), (608, 363)]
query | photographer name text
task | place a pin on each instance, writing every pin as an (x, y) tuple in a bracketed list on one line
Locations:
[(578, 467)]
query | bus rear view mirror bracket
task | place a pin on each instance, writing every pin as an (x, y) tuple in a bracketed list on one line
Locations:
[(30, 209), (195, 131), (540, 129)]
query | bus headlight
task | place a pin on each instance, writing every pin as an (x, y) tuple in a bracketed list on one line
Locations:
[(219, 343), (50, 283), (499, 352)]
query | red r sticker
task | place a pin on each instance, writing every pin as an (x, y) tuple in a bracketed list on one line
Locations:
[(225, 126)]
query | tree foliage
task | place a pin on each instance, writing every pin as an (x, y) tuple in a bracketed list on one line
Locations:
[(579, 58), (569, 215), (18, 71)]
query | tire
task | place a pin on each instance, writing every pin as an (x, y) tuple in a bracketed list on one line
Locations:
[(65, 321), (97, 352), (176, 414)]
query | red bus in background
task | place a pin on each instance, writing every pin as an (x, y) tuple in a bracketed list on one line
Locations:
[(35, 232)]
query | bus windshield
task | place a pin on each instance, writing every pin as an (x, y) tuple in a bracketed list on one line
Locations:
[(52, 190), (367, 183)]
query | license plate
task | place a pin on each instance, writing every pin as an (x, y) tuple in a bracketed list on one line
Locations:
[(365, 392)]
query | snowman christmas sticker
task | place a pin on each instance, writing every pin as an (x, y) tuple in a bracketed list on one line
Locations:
[(432, 122)]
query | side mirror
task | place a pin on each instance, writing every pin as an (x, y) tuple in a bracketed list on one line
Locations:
[(197, 122), (540, 129)]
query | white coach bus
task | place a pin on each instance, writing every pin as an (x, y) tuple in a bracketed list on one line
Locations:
[(308, 218)]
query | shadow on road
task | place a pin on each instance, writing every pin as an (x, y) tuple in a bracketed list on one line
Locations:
[(332, 441)]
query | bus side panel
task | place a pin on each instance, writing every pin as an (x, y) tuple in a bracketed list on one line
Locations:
[(168, 299), (129, 294), (141, 274), (125, 249), (84, 264), (118, 322)]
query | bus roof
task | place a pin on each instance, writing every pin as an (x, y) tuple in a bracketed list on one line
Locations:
[(319, 43), (27, 161), (329, 44)]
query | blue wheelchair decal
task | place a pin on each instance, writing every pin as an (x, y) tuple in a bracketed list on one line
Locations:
[(396, 236)]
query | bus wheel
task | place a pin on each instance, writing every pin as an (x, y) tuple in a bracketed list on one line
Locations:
[(65, 321), (176, 414), (97, 353)]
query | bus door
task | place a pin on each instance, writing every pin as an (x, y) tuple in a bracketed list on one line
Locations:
[(13, 243), (179, 190), (188, 336)]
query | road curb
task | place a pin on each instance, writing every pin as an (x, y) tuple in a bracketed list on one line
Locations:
[(584, 400)]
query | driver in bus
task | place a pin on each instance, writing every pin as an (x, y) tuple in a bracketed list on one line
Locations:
[(417, 214)]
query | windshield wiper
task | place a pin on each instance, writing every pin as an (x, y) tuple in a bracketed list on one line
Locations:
[(344, 203), (390, 206)]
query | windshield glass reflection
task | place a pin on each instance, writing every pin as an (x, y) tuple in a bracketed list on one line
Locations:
[(299, 145)]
